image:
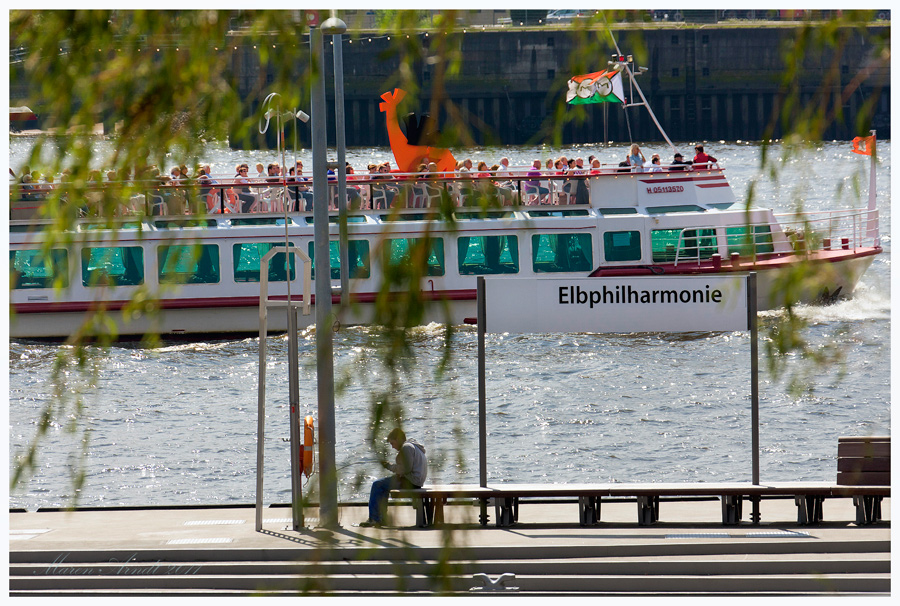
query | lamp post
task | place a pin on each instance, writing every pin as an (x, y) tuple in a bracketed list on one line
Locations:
[(328, 517), (335, 27)]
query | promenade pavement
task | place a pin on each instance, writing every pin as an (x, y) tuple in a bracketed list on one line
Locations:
[(540, 524)]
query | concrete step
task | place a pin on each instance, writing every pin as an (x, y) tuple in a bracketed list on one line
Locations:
[(553, 584), (658, 546), (714, 565)]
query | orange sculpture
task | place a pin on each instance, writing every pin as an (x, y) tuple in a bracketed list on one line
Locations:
[(409, 155)]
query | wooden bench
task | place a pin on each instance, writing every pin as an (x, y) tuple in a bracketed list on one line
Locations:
[(429, 501), (865, 461)]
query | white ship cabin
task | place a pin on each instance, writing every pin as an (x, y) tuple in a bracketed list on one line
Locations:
[(208, 238)]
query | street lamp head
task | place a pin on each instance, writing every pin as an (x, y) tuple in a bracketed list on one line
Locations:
[(303, 116), (333, 26)]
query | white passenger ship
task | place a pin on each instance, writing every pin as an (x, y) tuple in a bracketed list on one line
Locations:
[(204, 266)]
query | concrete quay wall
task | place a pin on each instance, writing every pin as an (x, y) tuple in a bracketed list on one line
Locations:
[(709, 82)]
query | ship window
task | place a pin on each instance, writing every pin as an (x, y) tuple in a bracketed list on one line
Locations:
[(721, 205), (247, 257), (335, 219), (357, 250), (188, 264), (622, 245), (739, 242), (552, 253), (559, 213), (488, 255), (31, 269), (617, 211), (112, 266), (259, 221), (399, 250), (184, 223), (688, 243), (681, 208)]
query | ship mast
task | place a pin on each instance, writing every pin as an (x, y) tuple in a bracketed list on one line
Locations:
[(622, 63)]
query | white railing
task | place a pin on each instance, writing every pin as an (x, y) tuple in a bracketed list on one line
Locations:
[(801, 233)]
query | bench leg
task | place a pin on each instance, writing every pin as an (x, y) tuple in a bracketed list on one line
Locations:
[(588, 510), (868, 509), (483, 517), (438, 512), (648, 510), (420, 505), (809, 509), (507, 510), (731, 509)]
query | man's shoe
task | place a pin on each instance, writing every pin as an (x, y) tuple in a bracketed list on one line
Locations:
[(370, 524)]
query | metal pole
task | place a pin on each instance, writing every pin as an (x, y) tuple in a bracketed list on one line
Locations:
[(261, 398), (754, 385), (482, 396), (294, 399), (328, 517), (342, 167)]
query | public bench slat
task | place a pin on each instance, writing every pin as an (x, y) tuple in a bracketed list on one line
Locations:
[(864, 449), (863, 464)]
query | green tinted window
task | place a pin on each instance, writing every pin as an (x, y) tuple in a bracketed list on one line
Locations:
[(398, 252), (188, 264), (357, 250), (488, 255), (112, 266), (247, 257), (682, 208), (31, 269), (622, 245), (740, 242), (561, 252), (688, 243)]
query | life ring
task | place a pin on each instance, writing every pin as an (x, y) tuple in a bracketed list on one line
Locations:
[(306, 459)]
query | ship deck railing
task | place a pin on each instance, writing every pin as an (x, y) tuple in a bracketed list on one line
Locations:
[(791, 234), (381, 191)]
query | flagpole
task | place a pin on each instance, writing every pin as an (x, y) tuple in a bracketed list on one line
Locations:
[(634, 83), (873, 216)]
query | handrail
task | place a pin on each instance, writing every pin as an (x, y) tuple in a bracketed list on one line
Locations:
[(816, 231)]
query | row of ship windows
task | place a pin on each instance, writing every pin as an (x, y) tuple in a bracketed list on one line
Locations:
[(476, 255)]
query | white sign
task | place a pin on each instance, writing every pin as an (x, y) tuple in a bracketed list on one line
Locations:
[(620, 305)]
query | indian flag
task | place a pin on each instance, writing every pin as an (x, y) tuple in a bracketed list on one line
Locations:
[(599, 87)]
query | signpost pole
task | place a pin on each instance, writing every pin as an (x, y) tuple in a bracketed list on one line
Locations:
[(754, 384), (482, 403)]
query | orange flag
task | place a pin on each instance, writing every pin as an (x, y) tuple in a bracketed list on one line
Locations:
[(867, 144)]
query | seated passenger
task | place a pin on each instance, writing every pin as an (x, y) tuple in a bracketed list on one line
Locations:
[(678, 163), (702, 157)]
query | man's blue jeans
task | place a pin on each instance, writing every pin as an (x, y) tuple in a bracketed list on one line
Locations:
[(378, 498)]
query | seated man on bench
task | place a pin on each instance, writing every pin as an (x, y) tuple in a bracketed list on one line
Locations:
[(410, 470)]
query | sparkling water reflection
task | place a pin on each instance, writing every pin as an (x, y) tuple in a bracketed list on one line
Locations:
[(177, 424)]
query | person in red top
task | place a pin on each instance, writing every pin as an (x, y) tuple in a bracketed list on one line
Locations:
[(702, 157)]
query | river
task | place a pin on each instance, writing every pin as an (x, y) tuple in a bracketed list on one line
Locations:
[(177, 425)]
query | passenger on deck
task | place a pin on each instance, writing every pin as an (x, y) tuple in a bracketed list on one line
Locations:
[(654, 166), (274, 173), (595, 166), (702, 157), (636, 159), (260, 174), (410, 470), (503, 168), (247, 199), (678, 163)]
